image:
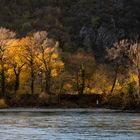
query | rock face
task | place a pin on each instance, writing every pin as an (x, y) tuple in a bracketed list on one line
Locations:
[(91, 24), (120, 22), (118, 4), (88, 37)]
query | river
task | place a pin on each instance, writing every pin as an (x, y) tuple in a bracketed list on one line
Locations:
[(68, 124)]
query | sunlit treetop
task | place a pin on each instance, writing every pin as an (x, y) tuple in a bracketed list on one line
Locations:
[(6, 34)]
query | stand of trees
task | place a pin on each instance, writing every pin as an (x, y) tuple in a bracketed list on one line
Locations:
[(35, 65), (22, 60)]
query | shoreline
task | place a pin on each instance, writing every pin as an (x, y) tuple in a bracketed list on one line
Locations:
[(66, 102), (65, 110)]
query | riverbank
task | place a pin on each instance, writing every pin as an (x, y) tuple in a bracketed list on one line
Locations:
[(66, 110), (55, 101), (68, 102)]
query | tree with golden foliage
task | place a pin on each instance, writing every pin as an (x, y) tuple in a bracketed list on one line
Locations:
[(29, 52), (48, 58), (134, 55), (16, 61), (6, 36)]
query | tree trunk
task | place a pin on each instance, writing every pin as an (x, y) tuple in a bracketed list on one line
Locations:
[(48, 82), (139, 83), (60, 91), (3, 82), (41, 82), (115, 80), (82, 80), (138, 68), (17, 76), (77, 82), (17, 83), (32, 81)]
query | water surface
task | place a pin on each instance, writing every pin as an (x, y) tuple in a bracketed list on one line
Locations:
[(72, 124)]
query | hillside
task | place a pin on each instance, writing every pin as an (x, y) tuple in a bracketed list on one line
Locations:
[(92, 24)]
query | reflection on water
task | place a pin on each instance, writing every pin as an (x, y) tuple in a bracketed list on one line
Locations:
[(69, 125)]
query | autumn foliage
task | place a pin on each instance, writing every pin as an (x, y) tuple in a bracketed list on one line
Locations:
[(36, 65)]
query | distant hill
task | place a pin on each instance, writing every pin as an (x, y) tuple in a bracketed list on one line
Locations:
[(91, 24)]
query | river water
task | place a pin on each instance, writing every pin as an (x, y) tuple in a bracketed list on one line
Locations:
[(68, 124)]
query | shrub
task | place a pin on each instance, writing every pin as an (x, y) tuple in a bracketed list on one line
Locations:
[(129, 99), (113, 100), (43, 99), (129, 102), (3, 103)]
